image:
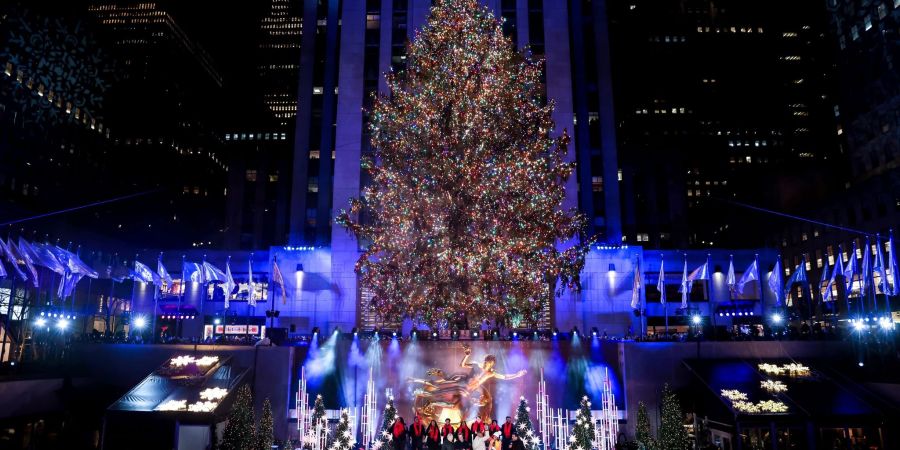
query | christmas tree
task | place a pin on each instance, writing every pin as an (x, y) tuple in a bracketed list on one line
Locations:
[(318, 417), (239, 433), (642, 430), (266, 429), (523, 425), (582, 437), (672, 435), (342, 437), (464, 211), (384, 435)]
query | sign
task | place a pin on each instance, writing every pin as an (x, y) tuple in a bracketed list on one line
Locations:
[(237, 329)]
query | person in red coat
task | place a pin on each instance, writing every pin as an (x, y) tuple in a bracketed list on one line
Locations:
[(506, 432), (398, 434), (494, 427), (416, 433), (463, 436), (447, 428), (478, 426), (433, 433)]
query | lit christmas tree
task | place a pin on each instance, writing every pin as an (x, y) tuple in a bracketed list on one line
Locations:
[(384, 435), (239, 433), (642, 430), (582, 437), (523, 425), (672, 435), (318, 417), (464, 209), (265, 431), (342, 438)]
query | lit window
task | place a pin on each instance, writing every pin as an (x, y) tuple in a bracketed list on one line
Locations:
[(251, 175), (882, 11), (620, 174), (854, 32), (868, 22)]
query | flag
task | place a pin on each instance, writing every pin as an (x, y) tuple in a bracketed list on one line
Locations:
[(730, 279), (211, 273), (799, 276), (2, 270), (145, 274), (41, 256), (879, 267), (775, 283), (229, 282), (251, 301), (636, 287), (279, 281), (661, 283), (700, 273), (67, 284), (26, 259), (162, 272), (191, 272), (13, 260), (895, 276), (866, 270), (685, 288), (837, 270), (751, 274), (850, 270), (823, 280)]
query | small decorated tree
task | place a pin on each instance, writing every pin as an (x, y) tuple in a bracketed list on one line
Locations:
[(342, 439), (582, 437), (239, 432), (384, 434), (523, 425), (642, 430), (317, 417), (672, 435), (265, 430)]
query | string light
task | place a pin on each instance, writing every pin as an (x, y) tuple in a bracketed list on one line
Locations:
[(464, 211)]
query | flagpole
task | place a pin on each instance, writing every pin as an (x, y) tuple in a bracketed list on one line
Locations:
[(133, 286), (180, 300), (272, 315), (895, 289), (249, 299), (156, 300), (709, 298), (204, 291)]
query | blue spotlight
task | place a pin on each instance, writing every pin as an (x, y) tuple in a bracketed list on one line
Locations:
[(696, 320)]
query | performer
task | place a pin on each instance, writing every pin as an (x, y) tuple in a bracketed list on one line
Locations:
[(464, 436), (449, 443), (516, 443), (433, 439), (398, 432), (447, 429), (494, 429), (478, 426), (507, 432), (480, 440), (495, 441), (416, 433)]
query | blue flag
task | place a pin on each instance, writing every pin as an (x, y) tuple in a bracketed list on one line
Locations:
[(879, 267), (799, 276), (837, 270), (775, 283), (192, 272), (145, 274), (26, 260), (162, 272), (751, 274), (895, 276), (850, 270)]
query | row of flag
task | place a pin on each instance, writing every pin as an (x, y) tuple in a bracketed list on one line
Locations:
[(863, 274), (25, 257)]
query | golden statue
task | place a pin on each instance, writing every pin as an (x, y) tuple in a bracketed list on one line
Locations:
[(461, 396)]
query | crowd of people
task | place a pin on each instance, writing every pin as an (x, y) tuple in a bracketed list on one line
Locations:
[(479, 436)]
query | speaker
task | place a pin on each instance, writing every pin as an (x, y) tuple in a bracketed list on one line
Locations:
[(277, 335)]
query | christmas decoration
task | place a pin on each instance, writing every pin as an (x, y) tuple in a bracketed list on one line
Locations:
[(341, 439), (314, 440), (642, 432), (523, 425), (582, 437), (464, 209), (384, 436), (265, 430), (239, 433), (672, 435)]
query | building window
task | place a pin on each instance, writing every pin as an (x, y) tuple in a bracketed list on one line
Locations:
[(251, 175)]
